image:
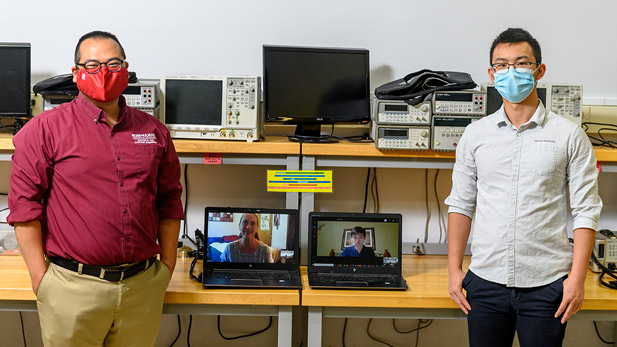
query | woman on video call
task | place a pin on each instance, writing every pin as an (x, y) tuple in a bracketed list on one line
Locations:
[(358, 234), (248, 248)]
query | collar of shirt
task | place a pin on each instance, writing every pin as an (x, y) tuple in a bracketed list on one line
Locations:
[(538, 118), (96, 114)]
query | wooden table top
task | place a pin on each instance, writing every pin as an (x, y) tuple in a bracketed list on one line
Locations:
[(15, 285), (427, 279)]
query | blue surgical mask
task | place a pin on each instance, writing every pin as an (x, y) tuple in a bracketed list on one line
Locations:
[(515, 84)]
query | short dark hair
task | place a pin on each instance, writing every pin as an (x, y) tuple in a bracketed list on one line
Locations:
[(516, 35), (98, 35), (358, 230)]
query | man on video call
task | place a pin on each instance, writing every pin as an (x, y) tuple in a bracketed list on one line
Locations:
[(95, 195), (514, 169), (358, 235)]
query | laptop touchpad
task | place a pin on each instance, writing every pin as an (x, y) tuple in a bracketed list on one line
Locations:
[(351, 284), (246, 282)]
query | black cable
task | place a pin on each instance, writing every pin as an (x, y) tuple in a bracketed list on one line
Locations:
[(427, 323), (428, 210), (192, 276), (188, 332), (218, 325), (601, 141), (185, 232), (179, 332), (368, 332), (595, 325), (23, 330), (368, 175), (376, 190), (605, 271), (440, 218), (344, 331)]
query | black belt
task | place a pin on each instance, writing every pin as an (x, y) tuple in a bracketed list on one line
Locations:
[(112, 274)]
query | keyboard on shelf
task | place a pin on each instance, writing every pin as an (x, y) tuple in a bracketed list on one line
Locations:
[(357, 278), (261, 275)]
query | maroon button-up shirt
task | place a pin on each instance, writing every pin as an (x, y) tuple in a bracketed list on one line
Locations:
[(98, 191)]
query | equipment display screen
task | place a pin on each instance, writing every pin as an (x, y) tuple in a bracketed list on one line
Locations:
[(454, 97), (399, 108), (392, 132), (193, 101), (15, 80)]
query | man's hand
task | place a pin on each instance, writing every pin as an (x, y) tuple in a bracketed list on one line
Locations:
[(455, 287), (36, 279), (573, 294)]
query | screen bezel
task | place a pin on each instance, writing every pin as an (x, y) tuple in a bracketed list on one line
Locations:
[(316, 119), (209, 266), (351, 217), (27, 101)]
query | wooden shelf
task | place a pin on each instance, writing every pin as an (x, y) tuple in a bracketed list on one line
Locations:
[(282, 146)]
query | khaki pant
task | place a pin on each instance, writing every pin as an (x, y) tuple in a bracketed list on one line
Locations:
[(82, 310)]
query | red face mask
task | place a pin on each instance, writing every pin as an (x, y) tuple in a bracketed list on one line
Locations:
[(104, 86)]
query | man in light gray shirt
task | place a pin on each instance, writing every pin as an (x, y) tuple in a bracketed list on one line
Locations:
[(513, 170)]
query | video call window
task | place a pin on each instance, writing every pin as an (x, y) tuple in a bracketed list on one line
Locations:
[(251, 238), (354, 242)]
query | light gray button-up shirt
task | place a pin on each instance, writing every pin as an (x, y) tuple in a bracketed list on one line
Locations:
[(515, 180)]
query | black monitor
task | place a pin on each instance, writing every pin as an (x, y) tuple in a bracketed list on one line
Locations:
[(494, 100), (310, 86), (15, 92)]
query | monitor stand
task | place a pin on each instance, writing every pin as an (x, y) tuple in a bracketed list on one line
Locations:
[(310, 133)]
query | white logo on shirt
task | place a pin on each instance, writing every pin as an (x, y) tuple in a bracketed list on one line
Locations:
[(144, 138)]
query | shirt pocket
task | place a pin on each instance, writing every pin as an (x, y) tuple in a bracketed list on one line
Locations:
[(147, 157), (542, 158)]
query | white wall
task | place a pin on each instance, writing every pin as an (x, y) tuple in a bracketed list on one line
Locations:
[(225, 37)]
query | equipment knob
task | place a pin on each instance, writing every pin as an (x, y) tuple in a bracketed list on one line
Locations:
[(424, 108), (423, 133), (231, 83), (237, 113)]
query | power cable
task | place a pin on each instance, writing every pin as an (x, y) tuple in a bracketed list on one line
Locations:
[(23, 330), (368, 332), (427, 323), (595, 325), (188, 332), (428, 210), (218, 325), (179, 332)]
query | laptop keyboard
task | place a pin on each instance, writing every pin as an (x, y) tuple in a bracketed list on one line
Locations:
[(260, 275), (356, 278)]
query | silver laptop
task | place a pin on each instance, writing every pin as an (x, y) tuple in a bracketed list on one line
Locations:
[(250, 247), (355, 250)]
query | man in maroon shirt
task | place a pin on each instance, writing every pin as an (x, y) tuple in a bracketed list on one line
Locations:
[(94, 185)]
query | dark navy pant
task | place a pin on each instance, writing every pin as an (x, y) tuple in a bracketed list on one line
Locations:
[(497, 312)]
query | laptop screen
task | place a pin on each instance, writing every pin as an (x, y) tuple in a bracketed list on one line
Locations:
[(251, 236), (355, 240)]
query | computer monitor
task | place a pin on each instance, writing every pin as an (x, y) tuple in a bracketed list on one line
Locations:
[(15, 92), (494, 99), (310, 86)]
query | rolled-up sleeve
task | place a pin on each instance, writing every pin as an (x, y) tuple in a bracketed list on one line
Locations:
[(582, 172), (169, 190), (462, 198), (31, 170)]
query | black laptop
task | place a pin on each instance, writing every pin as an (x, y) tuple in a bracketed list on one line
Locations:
[(355, 251), (250, 247)]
